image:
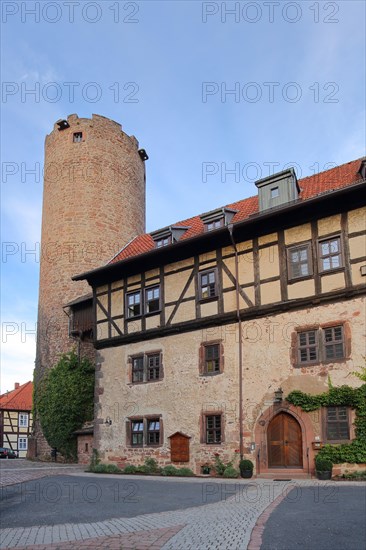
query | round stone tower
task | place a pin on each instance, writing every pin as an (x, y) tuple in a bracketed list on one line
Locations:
[(93, 204)]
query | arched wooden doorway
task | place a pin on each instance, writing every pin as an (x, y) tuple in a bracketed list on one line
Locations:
[(284, 440)]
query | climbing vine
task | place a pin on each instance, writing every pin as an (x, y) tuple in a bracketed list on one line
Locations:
[(63, 401), (354, 452)]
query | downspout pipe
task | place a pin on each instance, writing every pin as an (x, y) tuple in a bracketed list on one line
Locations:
[(240, 349)]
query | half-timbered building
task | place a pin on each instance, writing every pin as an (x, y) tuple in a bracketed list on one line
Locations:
[(203, 327), (16, 418)]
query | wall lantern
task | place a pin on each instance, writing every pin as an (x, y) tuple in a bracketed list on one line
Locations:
[(108, 421), (278, 394)]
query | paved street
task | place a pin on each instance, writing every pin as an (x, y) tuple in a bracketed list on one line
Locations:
[(71, 509)]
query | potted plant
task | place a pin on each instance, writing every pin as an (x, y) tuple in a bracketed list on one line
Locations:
[(246, 468), (323, 467)]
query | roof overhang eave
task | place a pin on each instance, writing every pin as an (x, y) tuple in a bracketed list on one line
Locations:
[(254, 218)]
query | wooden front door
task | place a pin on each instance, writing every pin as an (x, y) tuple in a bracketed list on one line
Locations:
[(284, 442)]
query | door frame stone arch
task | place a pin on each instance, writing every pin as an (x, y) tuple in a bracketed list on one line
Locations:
[(260, 436)]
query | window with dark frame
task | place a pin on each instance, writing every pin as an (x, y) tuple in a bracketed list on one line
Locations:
[(337, 423), (159, 243), (137, 432), (152, 299), (308, 346), (153, 366), (133, 304), (153, 431), (330, 254), (212, 359), (333, 342), (213, 429), (320, 345), (146, 368), (299, 261), (138, 369), (208, 286), (214, 224), (77, 137), (144, 431)]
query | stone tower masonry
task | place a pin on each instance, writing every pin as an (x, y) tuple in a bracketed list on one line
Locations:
[(93, 204)]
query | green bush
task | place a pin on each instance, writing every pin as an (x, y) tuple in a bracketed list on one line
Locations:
[(357, 476), (246, 464), (169, 471), (152, 466), (231, 472), (106, 469), (186, 472), (142, 469), (129, 469), (220, 466), (323, 464)]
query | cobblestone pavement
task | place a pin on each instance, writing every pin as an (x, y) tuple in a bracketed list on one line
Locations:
[(235, 522), (21, 470)]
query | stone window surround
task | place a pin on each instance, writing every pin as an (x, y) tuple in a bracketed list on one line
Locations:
[(145, 357), (321, 351), (202, 357), (145, 419), (203, 426)]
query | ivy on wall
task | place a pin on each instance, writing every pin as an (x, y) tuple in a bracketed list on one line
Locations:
[(64, 400), (354, 452)]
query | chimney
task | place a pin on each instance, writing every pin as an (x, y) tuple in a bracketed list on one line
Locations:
[(16, 385)]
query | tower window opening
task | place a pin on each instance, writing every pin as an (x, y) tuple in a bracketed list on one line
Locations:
[(78, 137)]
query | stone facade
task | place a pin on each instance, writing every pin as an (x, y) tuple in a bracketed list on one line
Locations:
[(93, 204), (184, 396)]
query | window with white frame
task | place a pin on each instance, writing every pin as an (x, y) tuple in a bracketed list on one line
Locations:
[(23, 420), (22, 443)]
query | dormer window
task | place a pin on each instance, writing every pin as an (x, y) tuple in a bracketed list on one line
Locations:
[(217, 218), (215, 224), (277, 190), (168, 235), (163, 242)]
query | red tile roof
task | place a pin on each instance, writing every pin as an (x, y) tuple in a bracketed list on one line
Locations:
[(20, 399), (310, 187)]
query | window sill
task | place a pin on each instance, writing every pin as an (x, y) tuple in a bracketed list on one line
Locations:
[(331, 271), (337, 441), (140, 317), (300, 279), (206, 300), (210, 373), (144, 382), (324, 363)]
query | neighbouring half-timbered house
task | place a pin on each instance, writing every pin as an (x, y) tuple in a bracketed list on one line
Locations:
[(16, 418), (203, 328)]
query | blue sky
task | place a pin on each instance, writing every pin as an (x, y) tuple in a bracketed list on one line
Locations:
[(295, 69)]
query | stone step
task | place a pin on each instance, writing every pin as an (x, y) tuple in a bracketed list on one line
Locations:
[(281, 475)]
